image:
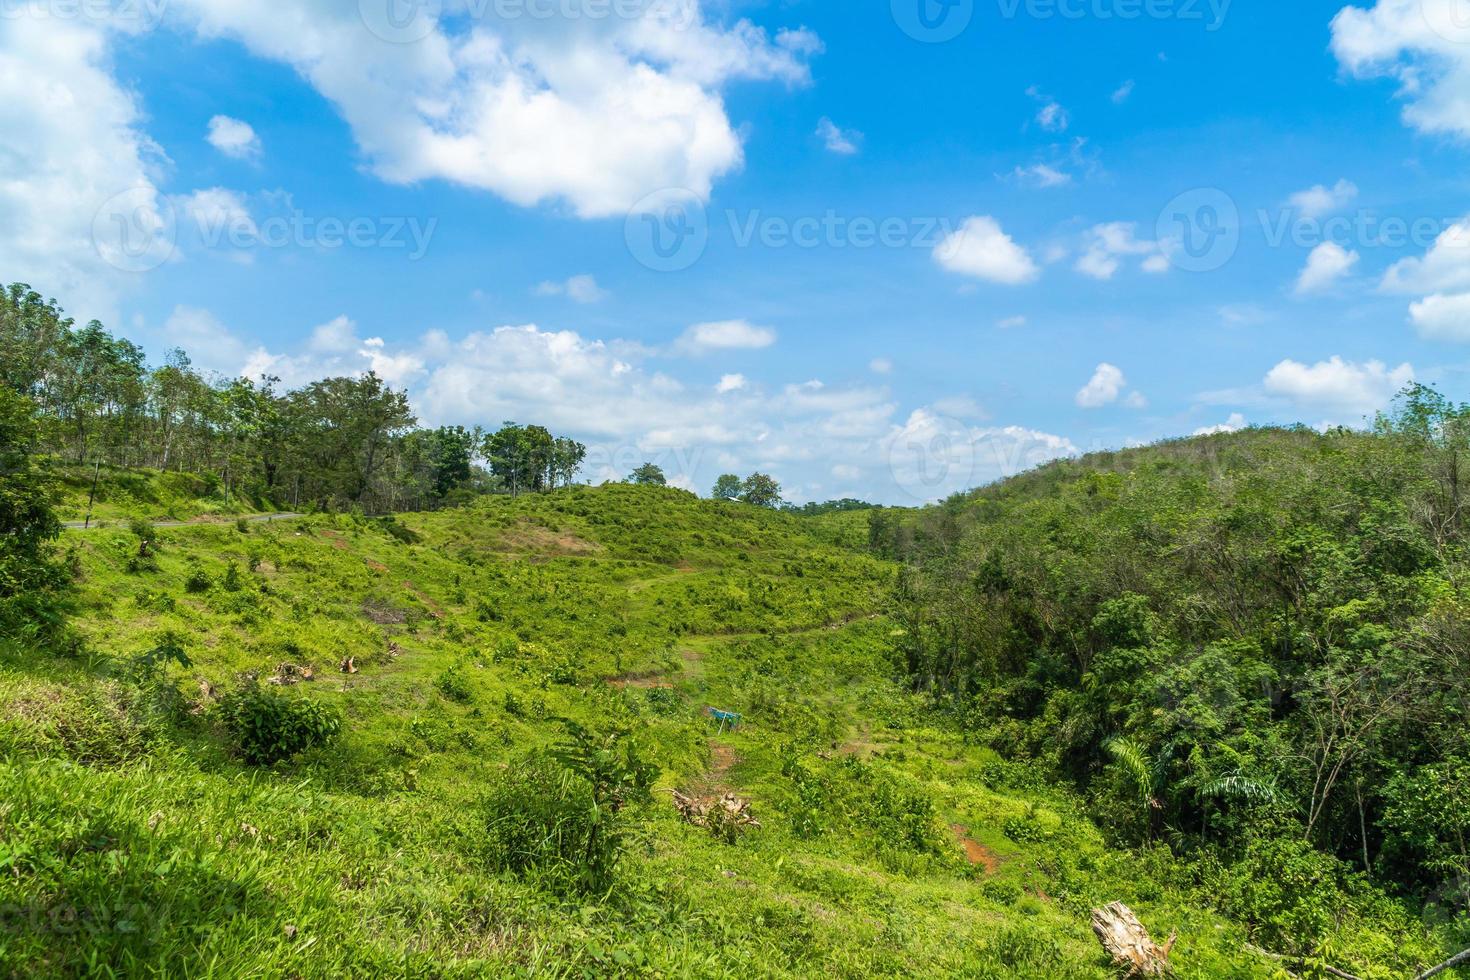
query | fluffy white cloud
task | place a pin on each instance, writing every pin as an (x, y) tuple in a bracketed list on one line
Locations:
[(702, 338), (931, 456), (838, 140), (78, 200), (1316, 201), (1106, 246), (234, 138), (1442, 317), (598, 112), (731, 382), (1104, 388), (1344, 389), (981, 250), (1445, 267), (1326, 266), (579, 289), (1235, 423), (1424, 45), (210, 344)]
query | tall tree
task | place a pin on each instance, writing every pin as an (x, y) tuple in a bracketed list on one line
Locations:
[(761, 490), (30, 576), (649, 475), (727, 487)]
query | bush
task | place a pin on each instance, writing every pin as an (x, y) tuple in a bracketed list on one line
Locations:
[(268, 726), (542, 820), (454, 685)]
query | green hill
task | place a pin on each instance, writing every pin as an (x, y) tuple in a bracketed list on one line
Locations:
[(504, 698)]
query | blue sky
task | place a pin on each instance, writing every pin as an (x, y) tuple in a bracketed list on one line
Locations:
[(897, 260)]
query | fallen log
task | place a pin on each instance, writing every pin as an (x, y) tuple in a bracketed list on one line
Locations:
[(1128, 943)]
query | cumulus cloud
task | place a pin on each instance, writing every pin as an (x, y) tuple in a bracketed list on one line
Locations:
[(79, 203), (731, 382), (234, 138), (598, 112), (1442, 317), (1104, 388), (931, 456), (1444, 267), (1235, 423), (1343, 389), (980, 249), (1106, 246), (724, 335), (1424, 45), (579, 289), (1326, 266), (1316, 201), (838, 140)]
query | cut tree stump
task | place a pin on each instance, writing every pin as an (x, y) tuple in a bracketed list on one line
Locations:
[(1128, 942)]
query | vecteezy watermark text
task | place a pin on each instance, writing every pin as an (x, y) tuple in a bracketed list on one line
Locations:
[(937, 21), (669, 231)]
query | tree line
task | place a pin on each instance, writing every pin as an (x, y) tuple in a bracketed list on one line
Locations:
[(337, 442)]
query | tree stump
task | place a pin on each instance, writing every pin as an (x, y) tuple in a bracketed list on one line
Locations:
[(1128, 942)]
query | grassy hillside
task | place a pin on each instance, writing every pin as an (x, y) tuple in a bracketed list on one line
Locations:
[(136, 838), (123, 494)]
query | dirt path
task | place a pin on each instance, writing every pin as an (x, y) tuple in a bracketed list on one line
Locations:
[(975, 852)]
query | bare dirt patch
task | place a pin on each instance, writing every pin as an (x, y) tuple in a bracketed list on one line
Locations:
[(544, 541), (975, 852)]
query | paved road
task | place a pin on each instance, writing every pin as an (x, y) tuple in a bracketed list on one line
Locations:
[(251, 519)]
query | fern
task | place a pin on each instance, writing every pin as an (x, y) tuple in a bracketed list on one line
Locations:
[(1238, 787), (1132, 758)]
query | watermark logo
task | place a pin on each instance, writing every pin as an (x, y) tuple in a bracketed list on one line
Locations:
[(400, 21), (129, 15), (933, 21), (668, 230), (933, 457), (1450, 19), (136, 230), (1200, 230)]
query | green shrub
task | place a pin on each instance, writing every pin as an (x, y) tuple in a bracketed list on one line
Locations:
[(542, 821), (268, 726), (197, 580), (453, 683)]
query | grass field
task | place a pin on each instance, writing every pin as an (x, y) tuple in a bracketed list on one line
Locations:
[(136, 841)]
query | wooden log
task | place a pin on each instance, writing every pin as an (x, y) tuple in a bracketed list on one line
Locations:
[(1128, 943)]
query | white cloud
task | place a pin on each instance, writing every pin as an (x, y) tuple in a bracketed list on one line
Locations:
[(1106, 384), (843, 142), (1051, 116), (1316, 201), (880, 365), (1337, 387), (598, 113), (931, 457), (1011, 322), (1121, 93), (1105, 247), (1042, 175), (1235, 423), (702, 338), (981, 250), (1326, 266), (210, 344), (70, 144), (1442, 317), (579, 289), (1136, 399), (731, 382), (1420, 43), (1445, 267), (234, 138)]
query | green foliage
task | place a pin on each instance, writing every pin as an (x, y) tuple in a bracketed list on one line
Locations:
[(648, 475), (268, 726), (31, 577)]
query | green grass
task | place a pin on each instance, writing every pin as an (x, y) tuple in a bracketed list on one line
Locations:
[(123, 494), (135, 842)]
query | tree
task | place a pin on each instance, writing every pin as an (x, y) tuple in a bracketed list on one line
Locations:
[(649, 474), (727, 487), (30, 576), (761, 490), (451, 451)]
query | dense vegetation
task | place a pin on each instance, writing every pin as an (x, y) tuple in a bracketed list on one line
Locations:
[(1251, 646)]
